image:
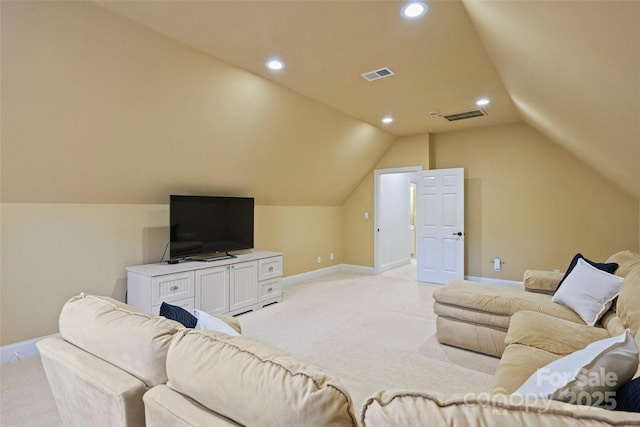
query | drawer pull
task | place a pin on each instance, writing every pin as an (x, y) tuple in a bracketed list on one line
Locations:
[(174, 288), (270, 290), (270, 268)]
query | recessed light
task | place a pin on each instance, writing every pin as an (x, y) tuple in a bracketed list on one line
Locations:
[(482, 102), (387, 120), (275, 64), (414, 9)]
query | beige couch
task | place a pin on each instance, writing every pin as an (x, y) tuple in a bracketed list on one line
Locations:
[(114, 366)]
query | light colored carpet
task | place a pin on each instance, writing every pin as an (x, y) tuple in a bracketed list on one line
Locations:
[(373, 332)]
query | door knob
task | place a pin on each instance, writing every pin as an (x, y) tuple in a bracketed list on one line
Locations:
[(459, 233)]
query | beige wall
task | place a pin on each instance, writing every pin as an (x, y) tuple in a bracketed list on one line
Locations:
[(302, 234), (51, 252), (102, 119), (527, 200), (99, 109), (532, 203)]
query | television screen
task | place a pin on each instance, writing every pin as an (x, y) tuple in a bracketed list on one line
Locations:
[(204, 226)]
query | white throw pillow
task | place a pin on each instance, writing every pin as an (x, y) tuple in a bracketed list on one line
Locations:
[(212, 323), (589, 376), (588, 291)]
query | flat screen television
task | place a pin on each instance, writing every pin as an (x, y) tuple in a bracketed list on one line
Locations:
[(209, 227)]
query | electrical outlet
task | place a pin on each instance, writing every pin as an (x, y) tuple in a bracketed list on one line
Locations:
[(319, 260), (331, 256)]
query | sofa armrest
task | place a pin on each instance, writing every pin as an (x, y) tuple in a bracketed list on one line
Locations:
[(542, 282), (89, 391), (487, 410)]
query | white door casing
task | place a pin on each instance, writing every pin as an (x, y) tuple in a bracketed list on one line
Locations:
[(440, 225)]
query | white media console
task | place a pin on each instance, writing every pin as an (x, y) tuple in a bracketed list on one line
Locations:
[(229, 286)]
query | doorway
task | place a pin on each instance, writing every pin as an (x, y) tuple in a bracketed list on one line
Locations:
[(394, 213), (436, 231)]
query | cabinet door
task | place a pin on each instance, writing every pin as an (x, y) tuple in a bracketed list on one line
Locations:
[(243, 285), (212, 289)]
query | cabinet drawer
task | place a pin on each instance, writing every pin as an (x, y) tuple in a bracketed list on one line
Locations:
[(270, 289), (172, 287), (269, 268)]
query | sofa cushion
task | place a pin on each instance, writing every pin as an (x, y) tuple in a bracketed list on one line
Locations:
[(609, 267), (588, 376), (517, 364), (402, 408), (588, 291), (548, 333), (253, 383), (496, 303), (628, 306), (542, 282), (626, 261), (135, 342)]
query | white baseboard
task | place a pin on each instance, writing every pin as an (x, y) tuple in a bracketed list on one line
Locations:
[(395, 264), (314, 274), (19, 351), (500, 282)]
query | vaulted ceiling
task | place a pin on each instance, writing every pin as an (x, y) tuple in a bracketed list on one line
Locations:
[(569, 69)]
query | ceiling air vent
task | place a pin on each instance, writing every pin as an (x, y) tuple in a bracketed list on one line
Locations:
[(465, 115), (377, 74)]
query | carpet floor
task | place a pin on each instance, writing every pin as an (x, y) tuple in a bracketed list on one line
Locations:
[(372, 332)]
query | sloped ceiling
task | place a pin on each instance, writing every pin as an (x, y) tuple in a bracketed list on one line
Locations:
[(438, 60), (570, 67)]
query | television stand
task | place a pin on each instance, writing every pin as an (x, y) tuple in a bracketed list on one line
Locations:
[(211, 257), (249, 281)]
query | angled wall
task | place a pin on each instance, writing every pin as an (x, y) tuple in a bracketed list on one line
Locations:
[(102, 119)]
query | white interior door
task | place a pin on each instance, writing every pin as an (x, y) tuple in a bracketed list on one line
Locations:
[(440, 225)]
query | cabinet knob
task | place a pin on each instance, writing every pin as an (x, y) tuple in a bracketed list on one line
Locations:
[(174, 288), (270, 268), (270, 290)]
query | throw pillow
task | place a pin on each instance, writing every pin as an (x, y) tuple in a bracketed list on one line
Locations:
[(212, 323), (588, 291), (610, 267), (589, 376), (628, 397), (179, 314)]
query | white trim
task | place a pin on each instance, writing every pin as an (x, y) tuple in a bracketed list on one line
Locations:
[(499, 282), (360, 269), (19, 351), (395, 264), (314, 274)]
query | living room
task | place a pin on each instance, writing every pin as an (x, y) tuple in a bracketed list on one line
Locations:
[(103, 118)]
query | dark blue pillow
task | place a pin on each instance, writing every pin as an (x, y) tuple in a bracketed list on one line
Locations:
[(179, 314), (628, 396), (608, 267)]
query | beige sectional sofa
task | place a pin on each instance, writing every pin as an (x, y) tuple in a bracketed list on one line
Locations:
[(114, 366)]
